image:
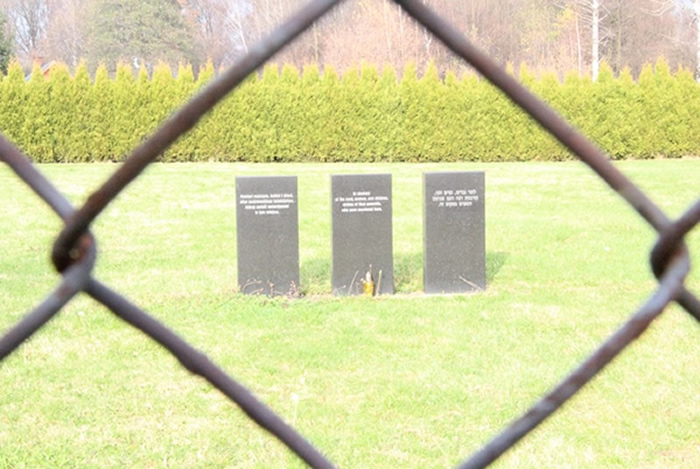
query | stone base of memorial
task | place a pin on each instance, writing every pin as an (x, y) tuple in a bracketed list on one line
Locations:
[(454, 253), (267, 235), (363, 261)]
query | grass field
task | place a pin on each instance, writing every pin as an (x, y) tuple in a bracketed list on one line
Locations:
[(409, 380)]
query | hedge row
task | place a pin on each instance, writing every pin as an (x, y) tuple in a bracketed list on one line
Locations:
[(365, 116)]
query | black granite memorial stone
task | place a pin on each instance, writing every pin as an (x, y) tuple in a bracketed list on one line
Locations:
[(267, 235), (454, 255), (363, 261)]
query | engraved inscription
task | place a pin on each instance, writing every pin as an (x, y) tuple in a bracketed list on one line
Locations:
[(267, 204), (455, 198), (362, 201)]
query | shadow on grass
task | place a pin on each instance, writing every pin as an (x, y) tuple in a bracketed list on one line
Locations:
[(315, 275), (408, 272), (408, 269), (494, 262)]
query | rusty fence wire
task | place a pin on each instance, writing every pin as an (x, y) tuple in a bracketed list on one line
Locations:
[(74, 250)]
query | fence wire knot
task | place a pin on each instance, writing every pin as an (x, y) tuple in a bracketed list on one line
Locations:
[(670, 242)]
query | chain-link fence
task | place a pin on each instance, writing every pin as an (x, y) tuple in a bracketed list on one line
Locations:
[(74, 251)]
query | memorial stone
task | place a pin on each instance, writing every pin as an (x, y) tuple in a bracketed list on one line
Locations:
[(363, 261), (267, 235), (454, 255)]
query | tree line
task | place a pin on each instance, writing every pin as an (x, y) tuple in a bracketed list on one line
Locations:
[(559, 35), (368, 114)]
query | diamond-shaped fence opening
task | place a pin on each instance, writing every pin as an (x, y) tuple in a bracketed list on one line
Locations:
[(74, 251)]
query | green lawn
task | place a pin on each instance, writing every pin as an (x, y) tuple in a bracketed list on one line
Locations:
[(409, 380)]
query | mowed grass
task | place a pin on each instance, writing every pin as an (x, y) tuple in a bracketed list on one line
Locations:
[(409, 380)]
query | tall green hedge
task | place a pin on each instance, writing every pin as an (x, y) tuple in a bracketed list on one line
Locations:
[(285, 114)]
